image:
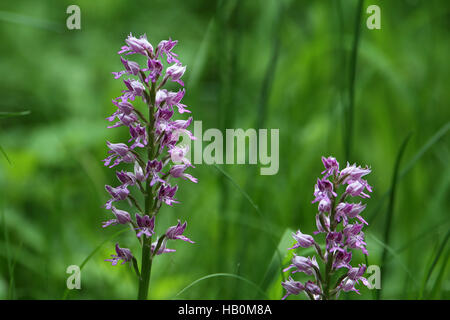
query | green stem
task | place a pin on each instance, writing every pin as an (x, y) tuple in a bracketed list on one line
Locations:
[(147, 259), (351, 86)]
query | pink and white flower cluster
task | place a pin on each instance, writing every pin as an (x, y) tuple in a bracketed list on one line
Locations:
[(153, 142), (341, 223)]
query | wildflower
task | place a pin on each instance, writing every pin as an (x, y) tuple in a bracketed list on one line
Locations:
[(117, 194), (122, 217), (135, 45), (162, 249), (165, 47), (334, 241), (175, 72), (303, 240), (357, 274), (146, 225), (122, 254), (176, 232), (121, 152), (348, 211), (153, 130), (339, 243), (124, 120), (303, 264), (331, 166), (342, 259), (292, 287), (135, 88), (139, 135), (153, 168), (126, 178), (323, 190), (312, 288), (131, 68), (155, 67), (177, 171), (325, 205), (174, 99), (347, 285), (138, 172), (356, 189), (178, 154), (352, 173), (322, 223)]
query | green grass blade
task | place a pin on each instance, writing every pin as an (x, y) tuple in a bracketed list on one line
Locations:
[(275, 266), (249, 199), (5, 155), (222, 275), (258, 211), (267, 82), (425, 234), (93, 252), (351, 86), (433, 140), (4, 115), (390, 211), (438, 282), (7, 114), (8, 258), (201, 56), (433, 264), (237, 186), (396, 255)]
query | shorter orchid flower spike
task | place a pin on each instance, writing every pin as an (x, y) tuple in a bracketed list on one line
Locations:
[(340, 240)]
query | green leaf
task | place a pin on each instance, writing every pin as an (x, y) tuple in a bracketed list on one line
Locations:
[(5, 155)]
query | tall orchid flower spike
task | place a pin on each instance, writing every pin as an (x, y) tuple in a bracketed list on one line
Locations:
[(341, 223), (146, 109)]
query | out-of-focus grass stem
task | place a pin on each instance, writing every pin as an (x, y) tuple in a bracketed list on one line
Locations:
[(390, 211), (351, 85)]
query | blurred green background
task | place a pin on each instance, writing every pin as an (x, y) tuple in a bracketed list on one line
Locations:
[(251, 64)]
